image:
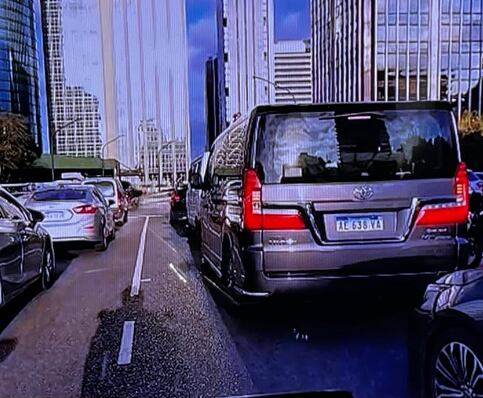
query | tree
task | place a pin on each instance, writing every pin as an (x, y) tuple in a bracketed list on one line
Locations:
[(17, 147)]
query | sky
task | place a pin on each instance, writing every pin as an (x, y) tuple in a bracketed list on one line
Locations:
[(292, 21)]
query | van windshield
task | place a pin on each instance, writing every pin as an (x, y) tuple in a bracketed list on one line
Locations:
[(315, 147)]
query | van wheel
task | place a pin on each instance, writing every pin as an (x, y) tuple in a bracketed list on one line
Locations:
[(194, 236), (475, 254), (232, 269)]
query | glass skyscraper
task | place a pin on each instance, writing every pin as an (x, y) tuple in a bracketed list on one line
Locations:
[(19, 63), (399, 50)]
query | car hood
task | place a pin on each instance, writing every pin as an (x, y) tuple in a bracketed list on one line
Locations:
[(453, 290)]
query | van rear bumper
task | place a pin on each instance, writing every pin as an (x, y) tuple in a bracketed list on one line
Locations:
[(380, 274), (262, 285)]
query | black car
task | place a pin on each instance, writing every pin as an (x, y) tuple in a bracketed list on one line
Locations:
[(178, 213), (26, 251), (446, 338)]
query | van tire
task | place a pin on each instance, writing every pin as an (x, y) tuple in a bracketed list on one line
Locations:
[(231, 269)]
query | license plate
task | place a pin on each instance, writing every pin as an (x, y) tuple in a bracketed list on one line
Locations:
[(54, 215), (359, 224)]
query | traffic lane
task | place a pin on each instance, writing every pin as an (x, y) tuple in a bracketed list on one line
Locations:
[(54, 331), (63, 259), (315, 347), (357, 344), (180, 346)]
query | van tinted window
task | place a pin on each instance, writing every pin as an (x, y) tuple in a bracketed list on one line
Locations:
[(331, 147), (229, 152)]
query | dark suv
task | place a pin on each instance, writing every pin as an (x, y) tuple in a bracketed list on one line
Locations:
[(300, 197)]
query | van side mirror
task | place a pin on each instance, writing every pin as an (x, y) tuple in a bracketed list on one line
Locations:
[(111, 202), (196, 181)]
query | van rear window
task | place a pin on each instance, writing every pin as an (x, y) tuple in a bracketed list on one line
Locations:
[(350, 147)]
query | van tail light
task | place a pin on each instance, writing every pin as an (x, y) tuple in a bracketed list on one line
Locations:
[(86, 209), (119, 198), (175, 198), (255, 218), (449, 213)]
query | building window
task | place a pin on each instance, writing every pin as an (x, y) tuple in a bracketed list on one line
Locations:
[(227, 92), (225, 57), (225, 22)]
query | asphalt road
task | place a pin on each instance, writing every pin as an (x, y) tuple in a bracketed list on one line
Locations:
[(143, 323)]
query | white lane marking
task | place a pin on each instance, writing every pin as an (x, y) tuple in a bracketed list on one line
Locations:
[(148, 215), (93, 271), (178, 273), (169, 245), (125, 351), (104, 365), (138, 269), (146, 280)]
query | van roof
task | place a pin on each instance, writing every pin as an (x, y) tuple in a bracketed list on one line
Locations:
[(354, 107)]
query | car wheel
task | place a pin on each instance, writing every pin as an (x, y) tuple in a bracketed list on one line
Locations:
[(2, 296), (456, 365), (48, 269), (125, 218), (103, 245), (113, 234)]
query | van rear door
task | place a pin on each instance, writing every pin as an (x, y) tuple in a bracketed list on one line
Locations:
[(363, 174)]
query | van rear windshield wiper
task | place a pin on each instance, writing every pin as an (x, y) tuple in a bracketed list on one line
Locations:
[(354, 115)]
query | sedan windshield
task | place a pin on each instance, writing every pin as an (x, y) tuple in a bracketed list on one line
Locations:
[(105, 187)]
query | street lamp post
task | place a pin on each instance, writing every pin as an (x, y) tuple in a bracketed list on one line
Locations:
[(160, 162), (104, 147), (276, 85), (52, 137)]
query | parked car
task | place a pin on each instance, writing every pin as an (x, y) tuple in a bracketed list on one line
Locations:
[(475, 230), (193, 195), (21, 191), (446, 338), (298, 198), (178, 213), (26, 251), (75, 213), (476, 181), (112, 189)]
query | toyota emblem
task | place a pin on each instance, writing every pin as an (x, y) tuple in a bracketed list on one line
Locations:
[(363, 193)]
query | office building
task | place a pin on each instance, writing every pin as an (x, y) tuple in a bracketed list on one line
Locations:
[(149, 146), (82, 138), (292, 72), (246, 31), (19, 64), (214, 118), (175, 150), (398, 50), (75, 113), (151, 60)]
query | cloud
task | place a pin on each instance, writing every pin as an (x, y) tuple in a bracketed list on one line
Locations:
[(202, 38)]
